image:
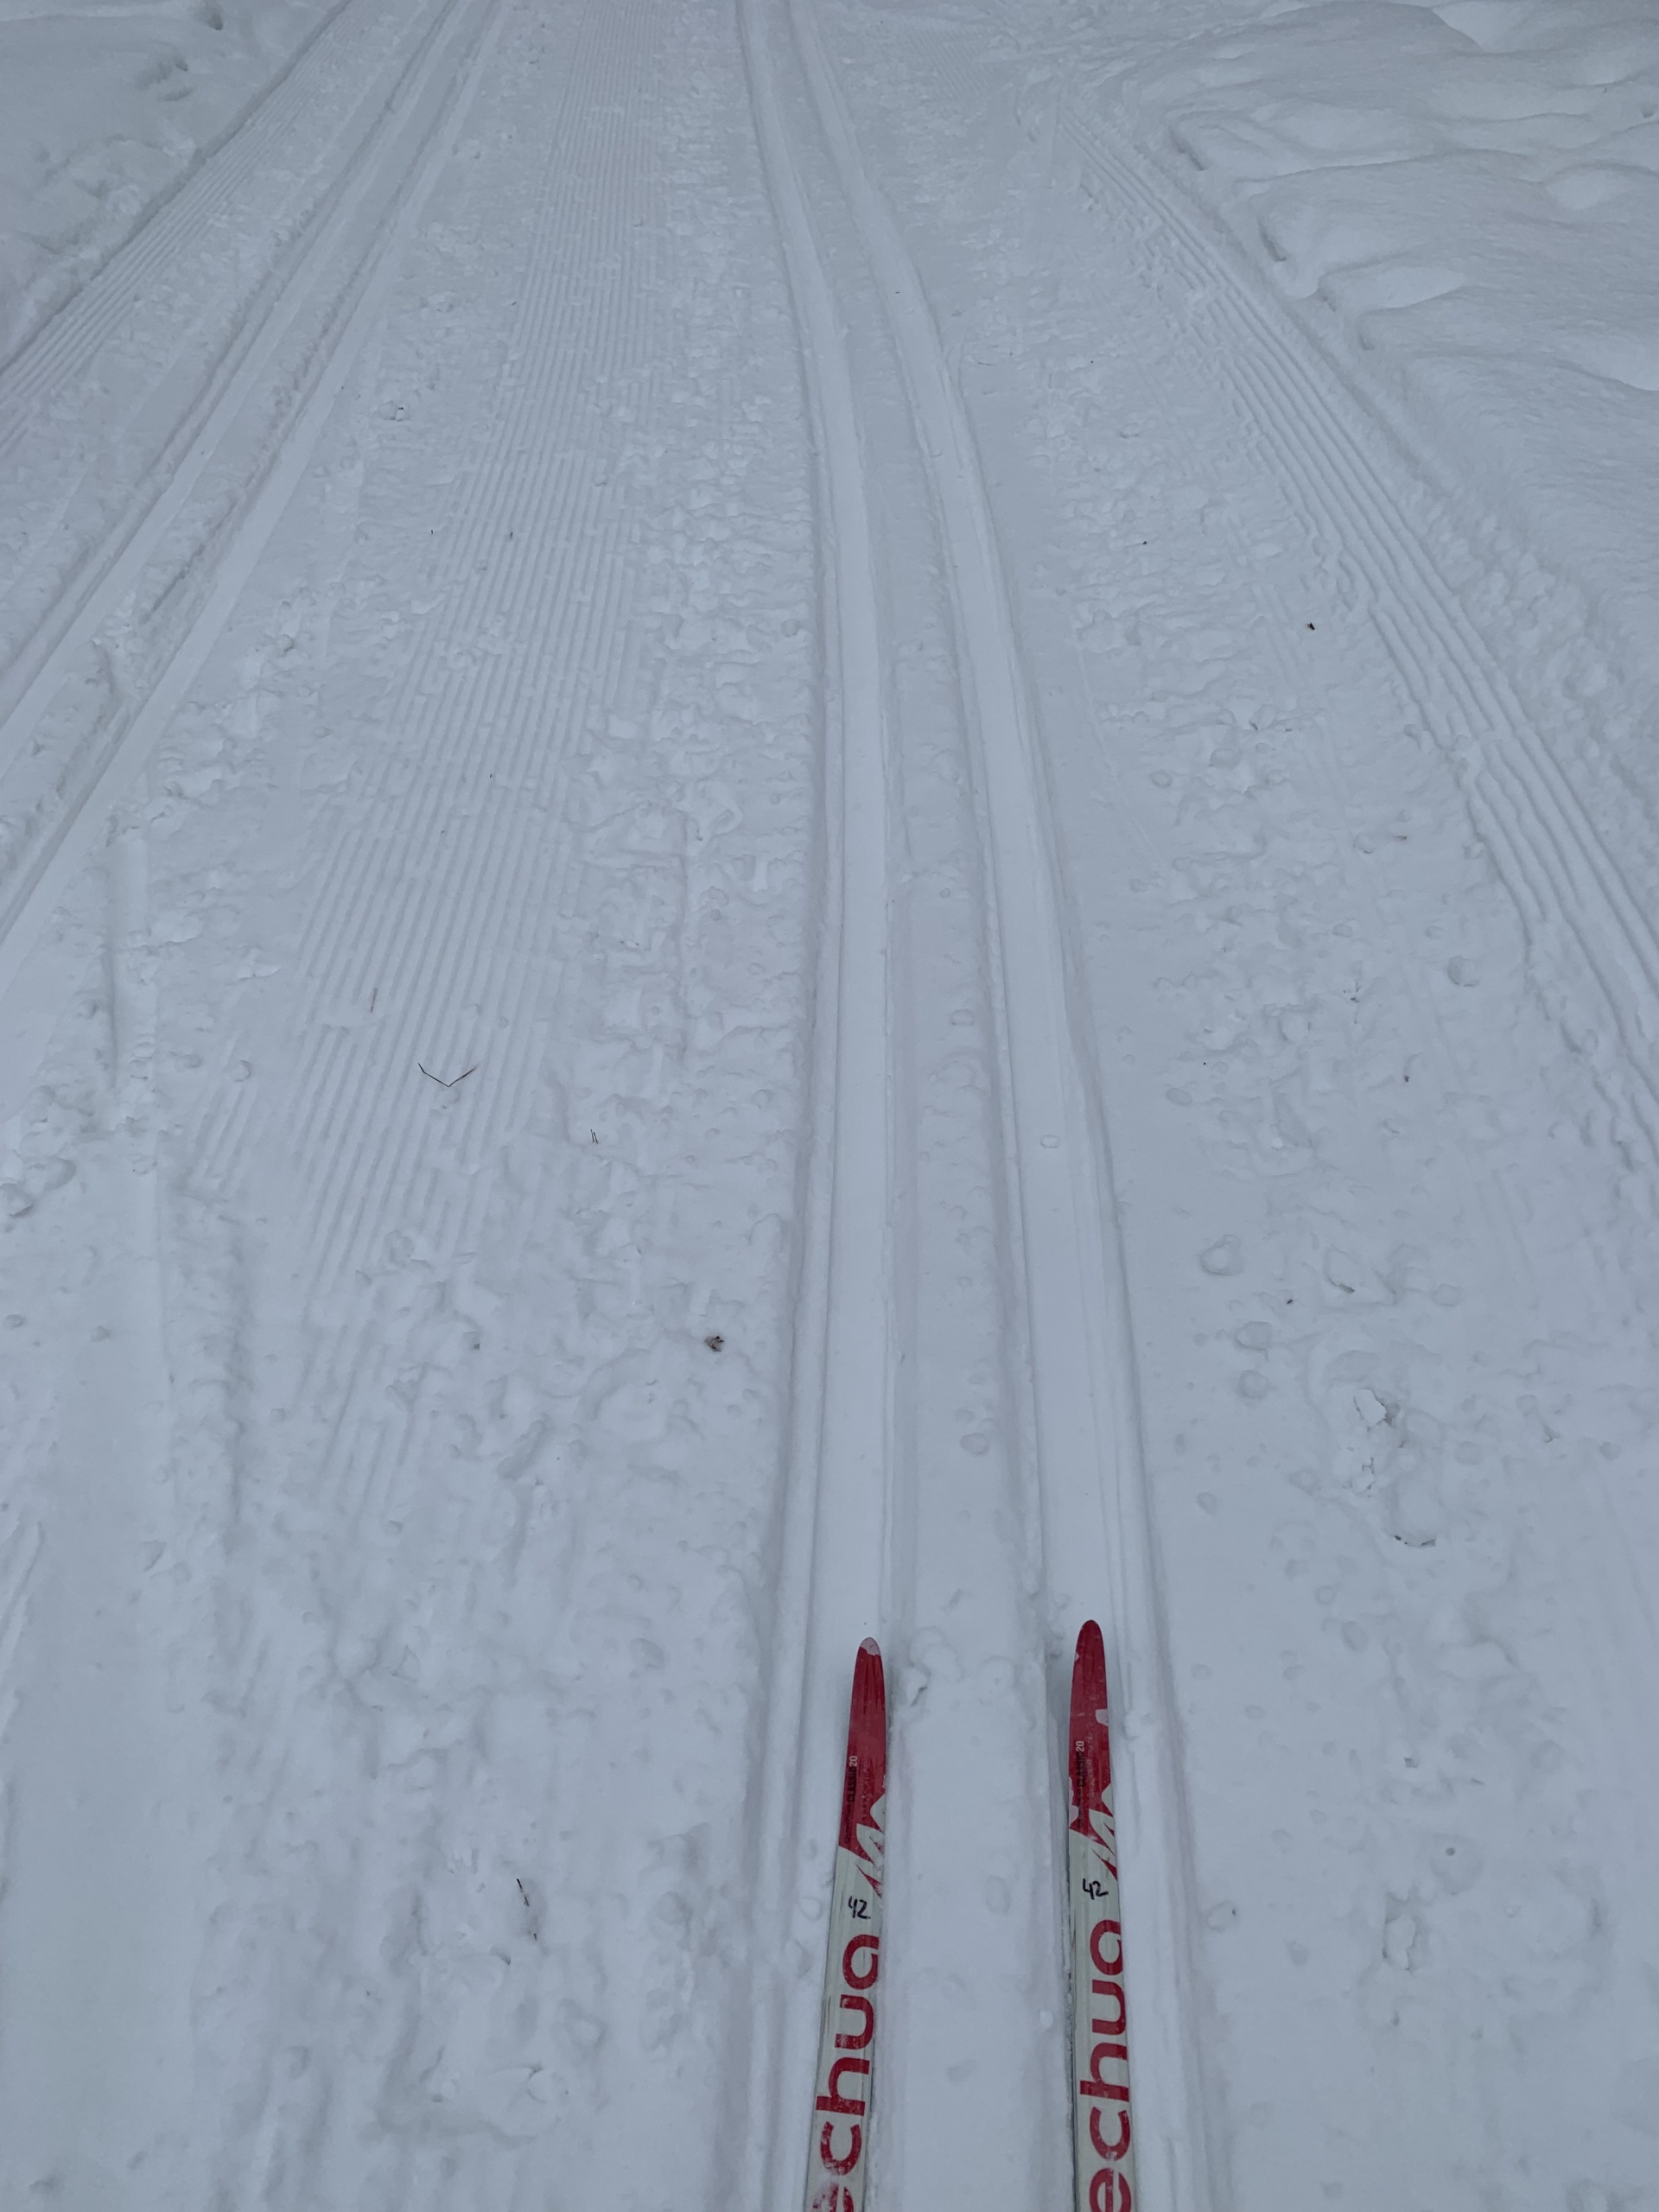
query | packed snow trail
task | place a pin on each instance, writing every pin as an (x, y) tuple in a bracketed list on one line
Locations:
[(763, 890), (981, 1007), (298, 354)]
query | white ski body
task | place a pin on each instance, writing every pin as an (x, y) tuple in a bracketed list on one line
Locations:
[(838, 2157), (1102, 2125)]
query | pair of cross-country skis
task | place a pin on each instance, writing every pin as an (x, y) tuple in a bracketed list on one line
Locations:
[(838, 2162)]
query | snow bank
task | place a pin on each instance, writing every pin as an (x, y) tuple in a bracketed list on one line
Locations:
[(1461, 202), (105, 109)]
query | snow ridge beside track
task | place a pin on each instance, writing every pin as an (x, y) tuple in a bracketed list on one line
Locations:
[(1585, 920), (178, 326), (836, 1504), (344, 279), (172, 222)]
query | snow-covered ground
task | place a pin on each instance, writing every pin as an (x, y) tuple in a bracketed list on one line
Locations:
[(105, 109), (826, 819), (1461, 203)]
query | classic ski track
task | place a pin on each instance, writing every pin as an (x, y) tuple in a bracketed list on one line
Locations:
[(840, 1411), (94, 588), (1085, 1385), (172, 367), (1074, 1293), (358, 298), (1546, 847), (67, 337)]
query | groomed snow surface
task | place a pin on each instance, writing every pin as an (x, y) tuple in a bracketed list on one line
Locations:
[(817, 819)]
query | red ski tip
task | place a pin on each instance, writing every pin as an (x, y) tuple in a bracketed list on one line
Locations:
[(1089, 1760), (867, 1748)]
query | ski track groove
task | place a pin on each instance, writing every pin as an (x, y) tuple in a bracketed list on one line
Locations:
[(356, 304), (825, 1593), (19, 1555), (338, 1087), (1036, 988), (1064, 1205), (1544, 844), (408, 940), (101, 575), (493, 693), (364, 934), (476, 508), (435, 937), (63, 344), (425, 915)]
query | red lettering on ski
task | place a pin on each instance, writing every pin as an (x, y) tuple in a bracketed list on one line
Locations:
[(838, 2168), (1102, 2125)]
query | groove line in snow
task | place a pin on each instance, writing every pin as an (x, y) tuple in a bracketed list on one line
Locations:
[(1075, 1302), (461, 913), (433, 891), (1544, 843), (432, 117), (835, 1502), (527, 473), (64, 343), (1075, 1295), (109, 572), (403, 902), (442, 889)]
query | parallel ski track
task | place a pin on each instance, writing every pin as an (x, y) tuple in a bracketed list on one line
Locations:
[(1085, 1383), (1544, 844), (102, 579), (826, 1595), (424, 939), (61, 345), (1074, 1293), (452, 884), (194, 242), (425, 901), (351, 271)]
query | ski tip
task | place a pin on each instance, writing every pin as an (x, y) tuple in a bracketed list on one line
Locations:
[(867, 1749), (869, 1690), (1088, 1759), (1089, 1681)]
